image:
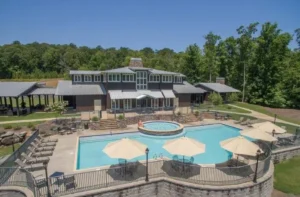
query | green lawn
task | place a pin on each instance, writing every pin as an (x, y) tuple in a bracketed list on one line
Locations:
[(262, 110), (289, 128), (36, 115), (223, 107), (6, 150), (287, 176)]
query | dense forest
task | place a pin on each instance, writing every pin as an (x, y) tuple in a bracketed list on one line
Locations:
[(258, 62)]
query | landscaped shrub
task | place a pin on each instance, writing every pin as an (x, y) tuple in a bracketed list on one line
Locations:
[(233, 97), (197, 113), (16, 128), (30, 125), (95, 119), (215, 98), (33, 128), (7, 126), (121, 117)]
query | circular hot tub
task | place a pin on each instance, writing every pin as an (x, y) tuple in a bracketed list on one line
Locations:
[(161, 128)]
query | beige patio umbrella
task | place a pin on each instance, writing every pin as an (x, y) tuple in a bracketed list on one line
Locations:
[(125, 149), (259, 134), (269, 127), (240, 146), (184, 146)]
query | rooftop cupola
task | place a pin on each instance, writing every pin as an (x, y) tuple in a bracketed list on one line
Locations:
[(135, 62)]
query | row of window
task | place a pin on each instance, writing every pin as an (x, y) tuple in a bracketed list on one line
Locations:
[(141, 78), (127, 103)]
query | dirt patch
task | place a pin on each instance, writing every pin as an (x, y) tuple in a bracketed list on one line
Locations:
[(290, 113), (50, 82)]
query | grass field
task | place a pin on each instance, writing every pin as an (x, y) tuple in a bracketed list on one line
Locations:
[(6, 150), (36, 115), (223, 107), (287, 176), (262, 110), (289, 128)]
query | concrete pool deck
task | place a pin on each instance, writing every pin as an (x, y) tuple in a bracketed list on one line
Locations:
[(64, 155)]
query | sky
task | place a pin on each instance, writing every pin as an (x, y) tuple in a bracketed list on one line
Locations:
[(137, 24)]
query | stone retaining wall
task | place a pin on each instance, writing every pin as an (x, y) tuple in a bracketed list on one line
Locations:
[(165, 187), (285, 154), (144, 118)]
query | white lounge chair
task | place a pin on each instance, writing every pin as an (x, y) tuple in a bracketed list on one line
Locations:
[(45, 148), (39, 154), (31, 167), (42, 144), (45, 140)]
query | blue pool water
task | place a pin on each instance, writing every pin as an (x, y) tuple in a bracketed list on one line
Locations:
[(161, 126), (90, 152)]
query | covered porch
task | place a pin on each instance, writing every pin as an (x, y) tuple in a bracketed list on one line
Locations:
[(144, 101)]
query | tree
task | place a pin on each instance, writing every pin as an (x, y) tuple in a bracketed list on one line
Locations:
[(245, 47), (210, 49), (233, 97), (215, 98), (192, 64), (266, 73)]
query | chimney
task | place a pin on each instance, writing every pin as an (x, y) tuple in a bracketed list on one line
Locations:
[(220, 80), (136, 62)]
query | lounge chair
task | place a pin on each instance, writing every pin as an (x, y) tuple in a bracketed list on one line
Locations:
[(31, 167), (245, 122), (43, 144), (239, 121), (45, 148), (252, 122), (40, 154), (45, 140), (36, 159), (69, 182)]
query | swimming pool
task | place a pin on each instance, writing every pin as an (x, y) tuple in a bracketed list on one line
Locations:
[(161, 126), (90, 148)]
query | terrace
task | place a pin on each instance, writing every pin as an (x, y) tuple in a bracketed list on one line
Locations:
[(64, 160)]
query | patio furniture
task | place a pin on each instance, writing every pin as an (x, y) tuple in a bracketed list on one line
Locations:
[(40, 154), (43, 144), (45, 148), (245, 122), (45, 140), (217, 116), (239, 121), (31, 167), (69, 182), (36, 159)]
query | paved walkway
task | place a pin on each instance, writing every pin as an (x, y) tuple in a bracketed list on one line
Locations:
[(31, 120), (262, 116)]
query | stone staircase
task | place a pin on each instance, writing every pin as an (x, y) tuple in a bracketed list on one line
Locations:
[(108, 124)]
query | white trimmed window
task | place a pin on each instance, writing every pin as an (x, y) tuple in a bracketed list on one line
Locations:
[(127, 103), (115, 104), (97, 78), (168, 102), (87, 78), (127, 78), (114, 78), (167, 78), (178, 79), (77, 78), (141, 80), (154, 103), (154, 78)]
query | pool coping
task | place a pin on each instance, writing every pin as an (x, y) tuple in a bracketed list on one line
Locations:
[(133, 132)]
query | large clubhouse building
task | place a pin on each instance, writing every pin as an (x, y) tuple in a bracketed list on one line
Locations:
[(123, 89), (128, 88)]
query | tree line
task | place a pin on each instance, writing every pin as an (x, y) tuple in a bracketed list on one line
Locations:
[(258, 62)]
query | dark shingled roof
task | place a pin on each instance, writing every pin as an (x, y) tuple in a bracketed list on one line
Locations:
[(15, 89), (85, 72), (43, 91), (66, 88), (187, 88), (217, 87)]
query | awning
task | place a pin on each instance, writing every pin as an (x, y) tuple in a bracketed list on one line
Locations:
[(168, 93), (118, 94)]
